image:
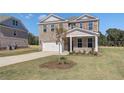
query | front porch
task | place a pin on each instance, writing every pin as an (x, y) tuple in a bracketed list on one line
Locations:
[(79, 41)]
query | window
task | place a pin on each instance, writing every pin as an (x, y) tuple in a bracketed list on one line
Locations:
[(90, 25), (71, 25), (13, 22), (44, 28), (16, 23), (79, 42), (52, 27), (14, 33), (90, 42), (81, 25)]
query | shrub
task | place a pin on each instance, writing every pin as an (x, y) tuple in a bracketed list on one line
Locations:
[(73, 52), (63, 60), (84, 52), (70, 53), (95, 53), (79, 52), (90, 52)]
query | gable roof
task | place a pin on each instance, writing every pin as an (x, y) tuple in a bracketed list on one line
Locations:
[(5, 18), (51, 15), (83, 30), (86, 16)]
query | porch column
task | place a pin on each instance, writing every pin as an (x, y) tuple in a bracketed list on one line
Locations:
[(60, 46), (96, 44), (70, 44)]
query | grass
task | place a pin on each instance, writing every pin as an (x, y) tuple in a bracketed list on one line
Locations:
[(109, 66), (18, 51)]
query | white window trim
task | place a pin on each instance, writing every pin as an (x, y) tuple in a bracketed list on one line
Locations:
[(90, 42), (44, 28), (52, 27), (80, 25), (89, 26), (80, 42)]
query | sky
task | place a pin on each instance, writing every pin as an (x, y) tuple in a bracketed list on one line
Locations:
[(107, 20)]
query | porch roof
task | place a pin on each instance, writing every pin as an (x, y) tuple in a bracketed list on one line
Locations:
[(78, 32)]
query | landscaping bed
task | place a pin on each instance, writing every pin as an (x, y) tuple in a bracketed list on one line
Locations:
[(54, 65)]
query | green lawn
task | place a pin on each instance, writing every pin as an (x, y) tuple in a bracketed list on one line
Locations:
[(108, 66), (19, 51)]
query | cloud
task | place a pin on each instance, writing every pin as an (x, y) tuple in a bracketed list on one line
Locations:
[(29, 16), (41, 17)]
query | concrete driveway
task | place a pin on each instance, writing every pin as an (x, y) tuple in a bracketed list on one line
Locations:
[(4, 61)]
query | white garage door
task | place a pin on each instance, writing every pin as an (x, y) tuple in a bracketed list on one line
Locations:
[(51, 47)]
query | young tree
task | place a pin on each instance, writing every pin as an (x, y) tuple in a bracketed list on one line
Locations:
[(60, 37)]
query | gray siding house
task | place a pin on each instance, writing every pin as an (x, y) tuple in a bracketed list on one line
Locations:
[(81, 33), (13, 33)]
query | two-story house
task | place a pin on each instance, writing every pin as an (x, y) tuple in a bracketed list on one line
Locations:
[(13, 33), (82, 33)]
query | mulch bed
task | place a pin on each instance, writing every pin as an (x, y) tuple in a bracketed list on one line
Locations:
[(54, 65)]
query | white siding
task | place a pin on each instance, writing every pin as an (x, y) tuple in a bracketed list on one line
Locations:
[(78, 33), (52, 19)]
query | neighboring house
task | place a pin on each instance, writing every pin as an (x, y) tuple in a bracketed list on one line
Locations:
[(13, 33), (82, 33)]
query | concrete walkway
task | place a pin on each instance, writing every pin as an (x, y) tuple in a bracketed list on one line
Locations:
[(4, 61)]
